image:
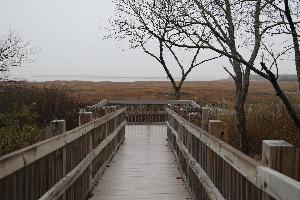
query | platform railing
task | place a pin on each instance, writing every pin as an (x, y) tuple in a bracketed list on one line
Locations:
[(66, 166), (138, 111), (215, 170)]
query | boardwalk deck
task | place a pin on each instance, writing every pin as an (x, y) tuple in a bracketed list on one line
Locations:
[(143, 168)]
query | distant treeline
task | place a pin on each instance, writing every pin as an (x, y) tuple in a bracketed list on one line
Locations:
[(282, 77)]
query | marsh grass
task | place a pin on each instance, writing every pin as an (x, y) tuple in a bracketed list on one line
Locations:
[(265, 115), (26, 109), (265, 121)]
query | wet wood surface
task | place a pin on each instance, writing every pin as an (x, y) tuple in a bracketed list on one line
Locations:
[(143, 168)]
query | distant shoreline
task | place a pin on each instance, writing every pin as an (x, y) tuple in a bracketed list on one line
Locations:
[(112, 78)]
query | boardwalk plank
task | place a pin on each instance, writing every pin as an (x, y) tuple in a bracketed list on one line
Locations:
[(143, 168)]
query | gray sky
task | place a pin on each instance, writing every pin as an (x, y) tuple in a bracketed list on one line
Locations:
[(72, 44)]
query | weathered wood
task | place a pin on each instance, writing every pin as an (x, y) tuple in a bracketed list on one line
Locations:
[(85, 117), (195, 104), (215, 128), (150, 102), (16, 160), (71, 164), (280, 156), (145, 117), (58, 189), (143, 168), (205, 118), (218, 129), (278, 185), (101, 104), (206, 182), (261, 179), (244, 164), (56, 127), (100, 172)]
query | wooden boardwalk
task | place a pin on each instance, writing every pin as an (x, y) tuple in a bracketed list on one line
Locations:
[(143, 168)]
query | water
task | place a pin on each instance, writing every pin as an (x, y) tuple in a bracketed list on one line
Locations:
[(110, 79)]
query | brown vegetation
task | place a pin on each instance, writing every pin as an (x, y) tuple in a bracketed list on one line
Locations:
[(266, 117), (219, 93), (26, 110)]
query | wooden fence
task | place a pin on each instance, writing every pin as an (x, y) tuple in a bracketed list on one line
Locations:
[(63, 167), (215, 170), (138, 111), (145, 117), (68, 166)]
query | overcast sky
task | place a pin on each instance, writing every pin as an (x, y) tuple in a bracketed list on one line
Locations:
[(72, 44)]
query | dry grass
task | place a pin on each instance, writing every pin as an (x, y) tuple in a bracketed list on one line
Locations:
[(266, 116), (219, 93)]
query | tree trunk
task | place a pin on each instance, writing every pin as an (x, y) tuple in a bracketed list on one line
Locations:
[(241, 120), (241, 90), (287, 13), (292, 112), (177, 93)]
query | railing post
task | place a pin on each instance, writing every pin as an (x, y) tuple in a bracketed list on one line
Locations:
[(191, 117), (56, 127), (280, 156), (83, 116), (205, 118), (86, 117), (218, 129), (90, 138)]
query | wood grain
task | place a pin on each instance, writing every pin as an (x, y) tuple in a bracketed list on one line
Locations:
[(143, 168)]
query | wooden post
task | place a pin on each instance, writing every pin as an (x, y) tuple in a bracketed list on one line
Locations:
[(280, 156), (205, 118), (85, 117), (191, 117), (218, 129), (56, 127)]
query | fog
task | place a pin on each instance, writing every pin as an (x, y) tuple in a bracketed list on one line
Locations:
[(70, 36)]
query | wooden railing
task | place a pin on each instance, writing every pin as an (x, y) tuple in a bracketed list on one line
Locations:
[(215, 170), (138, 111), (146, 117), (66, 166)]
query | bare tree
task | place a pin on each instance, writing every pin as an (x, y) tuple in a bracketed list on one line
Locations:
[(14, 52), (134, 22), (289, 13), (235, 29), (256, 19), (219, 26)]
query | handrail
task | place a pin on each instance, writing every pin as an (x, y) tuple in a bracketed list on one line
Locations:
[(150, 102), (242, 163), (16, 160), (270, 181), (59, 188), (210, 188)]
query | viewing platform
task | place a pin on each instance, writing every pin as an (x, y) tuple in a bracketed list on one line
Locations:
[(147, 150)]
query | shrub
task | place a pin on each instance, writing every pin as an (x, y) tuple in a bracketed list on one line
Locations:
[(26, 109), (18, 129)]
